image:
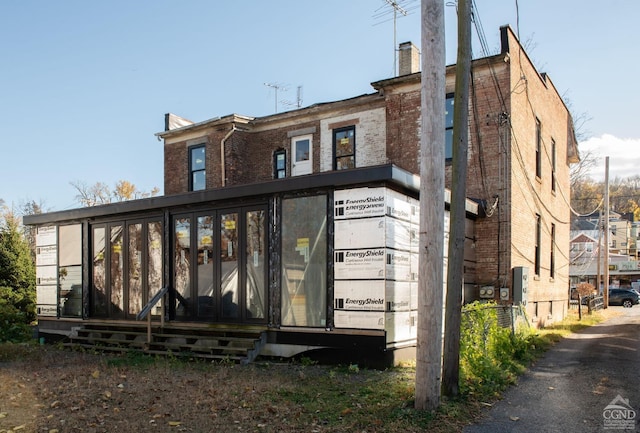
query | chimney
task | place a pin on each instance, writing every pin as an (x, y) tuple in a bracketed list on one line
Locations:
[(409, 61)]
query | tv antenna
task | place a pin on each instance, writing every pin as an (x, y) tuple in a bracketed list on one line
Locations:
[(276, 87), (404, 7), (298, 102)]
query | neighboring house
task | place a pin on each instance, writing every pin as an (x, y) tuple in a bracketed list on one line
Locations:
[(586, 236), (305, 224)]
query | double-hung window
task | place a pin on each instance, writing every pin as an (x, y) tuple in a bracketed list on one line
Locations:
[(536, 263), (280, 164), (552, 259), (553, 165), (344, 148), (197, 168), (538, 149), (448, 127)]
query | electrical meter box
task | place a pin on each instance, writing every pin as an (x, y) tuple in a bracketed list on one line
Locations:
[(504, 293), (520, 284)]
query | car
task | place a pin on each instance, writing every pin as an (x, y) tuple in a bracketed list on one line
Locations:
[(625, 297)]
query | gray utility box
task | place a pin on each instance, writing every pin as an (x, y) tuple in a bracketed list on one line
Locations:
[(520, 284)]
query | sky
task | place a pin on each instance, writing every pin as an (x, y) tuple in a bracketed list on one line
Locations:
[(84, 85)]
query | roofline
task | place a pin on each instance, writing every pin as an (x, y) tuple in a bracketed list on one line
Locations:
[(237, 118), (388, 173)]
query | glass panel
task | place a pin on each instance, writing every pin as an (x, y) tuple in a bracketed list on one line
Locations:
[(280, 161), (255, 255), (448, 113), (197, 158), (99, 284), (199, 180), (70, 285), (154, 259), (205, 266), (302, 150), (70, 271), (116, 263), (345, 142), (448, 144), (135, 268), (70, 243), (182, 266), (229, 265), (345, 162), (304, 261)]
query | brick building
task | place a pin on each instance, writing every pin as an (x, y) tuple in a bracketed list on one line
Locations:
[(304, 224)]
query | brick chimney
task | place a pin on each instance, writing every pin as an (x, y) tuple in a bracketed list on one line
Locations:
[(409, 59)]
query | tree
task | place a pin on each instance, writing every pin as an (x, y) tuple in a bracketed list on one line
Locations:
[(17, 281), (624, 195), (100, 193)]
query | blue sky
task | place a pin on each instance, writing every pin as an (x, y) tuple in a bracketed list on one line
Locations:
[(84, 85)]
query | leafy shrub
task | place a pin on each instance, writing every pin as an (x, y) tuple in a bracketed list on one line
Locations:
[(13, 324), (491, 356)]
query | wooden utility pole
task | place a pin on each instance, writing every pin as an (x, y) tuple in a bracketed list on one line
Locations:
[(606, 233), (430, 274), (455, 268)]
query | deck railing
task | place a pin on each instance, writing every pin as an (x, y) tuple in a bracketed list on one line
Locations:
[(146, 310)]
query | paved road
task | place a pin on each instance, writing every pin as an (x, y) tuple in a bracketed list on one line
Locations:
[(569, 389)]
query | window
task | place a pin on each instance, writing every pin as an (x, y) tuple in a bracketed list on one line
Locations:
[(304, 261), (197, 168), (536, 262), (448, 127), (538, 149), (344, 148), (279, 164), (126, 267), (552, 259), (70, 270), (553, 165)]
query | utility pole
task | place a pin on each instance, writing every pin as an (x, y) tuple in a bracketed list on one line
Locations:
[(455, 268), (431, 239), (606, 233)]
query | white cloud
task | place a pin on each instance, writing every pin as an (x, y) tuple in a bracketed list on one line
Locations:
[(623, 153)]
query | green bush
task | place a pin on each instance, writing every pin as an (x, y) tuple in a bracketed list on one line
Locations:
[(13, 324), (491, 356)]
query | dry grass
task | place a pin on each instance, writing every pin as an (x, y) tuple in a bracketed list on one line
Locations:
[(47, 389)]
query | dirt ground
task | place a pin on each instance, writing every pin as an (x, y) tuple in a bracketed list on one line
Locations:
[(48, 389)]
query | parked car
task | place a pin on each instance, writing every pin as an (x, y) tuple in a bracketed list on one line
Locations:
[(625, 297)]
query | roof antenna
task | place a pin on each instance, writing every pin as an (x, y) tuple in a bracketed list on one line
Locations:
[(276, 87), (298, 102), (397, 8)]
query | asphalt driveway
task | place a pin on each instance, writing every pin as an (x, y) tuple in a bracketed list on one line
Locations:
[(588, 382)]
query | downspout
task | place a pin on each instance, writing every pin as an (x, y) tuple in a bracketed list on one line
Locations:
[(222, 159)]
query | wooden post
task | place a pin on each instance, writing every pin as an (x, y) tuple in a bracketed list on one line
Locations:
[(430, 274), (455, 267), (606, 233)]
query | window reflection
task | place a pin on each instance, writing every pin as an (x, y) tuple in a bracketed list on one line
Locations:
[(135, 268), (70, 270), (182, 266), (154, 260), (229, 265), (99, 284), (205, 266), (304, 261), (255, 267), (117, 273)]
